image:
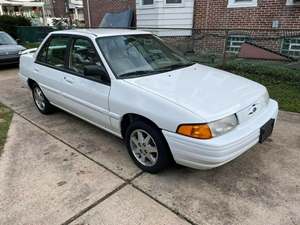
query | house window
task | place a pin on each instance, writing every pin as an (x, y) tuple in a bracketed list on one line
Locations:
[(147, 2), (293, 2), (173, 1), (241, 3), (291, 47), (234, 42)]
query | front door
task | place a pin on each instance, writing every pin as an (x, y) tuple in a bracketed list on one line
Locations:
[(85, 96)]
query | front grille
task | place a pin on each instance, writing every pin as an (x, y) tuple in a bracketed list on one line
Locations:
[(251, 110)]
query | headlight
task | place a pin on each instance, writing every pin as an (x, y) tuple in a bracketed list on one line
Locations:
[(266, 98), (209, 130), (222, 126)]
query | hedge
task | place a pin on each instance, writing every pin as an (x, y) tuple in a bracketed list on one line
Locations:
[(9, 24)]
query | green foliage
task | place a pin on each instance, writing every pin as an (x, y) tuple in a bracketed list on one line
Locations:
[(273, 72), (31, 45), (9, 24), (5, 119), (282, 82)]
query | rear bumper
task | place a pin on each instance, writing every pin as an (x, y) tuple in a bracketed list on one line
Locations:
[(207, 154)]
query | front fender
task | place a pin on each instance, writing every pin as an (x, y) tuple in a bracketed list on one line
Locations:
[(127, 98)]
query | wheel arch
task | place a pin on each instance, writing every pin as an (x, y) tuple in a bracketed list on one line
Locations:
[(130, 117), (31, 83)]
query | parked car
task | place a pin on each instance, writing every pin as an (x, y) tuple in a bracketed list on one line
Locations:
[(166, 108), (10, 51)]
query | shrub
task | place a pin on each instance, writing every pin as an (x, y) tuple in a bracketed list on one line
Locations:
[(9, 24), (271, 72)]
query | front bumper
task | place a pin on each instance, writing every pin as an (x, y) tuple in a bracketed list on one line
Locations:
[(9, 59), (207, 154)]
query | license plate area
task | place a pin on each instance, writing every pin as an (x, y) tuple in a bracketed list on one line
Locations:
[(266, 130)]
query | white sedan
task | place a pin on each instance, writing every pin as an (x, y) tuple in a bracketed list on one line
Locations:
[(165, 107)]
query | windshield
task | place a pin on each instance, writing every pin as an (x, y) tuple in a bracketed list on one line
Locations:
[(139, 55), (5, 39)]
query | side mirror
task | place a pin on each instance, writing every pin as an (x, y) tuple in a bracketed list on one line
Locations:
[(96, 72)]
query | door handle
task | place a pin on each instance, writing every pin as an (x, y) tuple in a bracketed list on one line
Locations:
[(68, 80), (36, 70)]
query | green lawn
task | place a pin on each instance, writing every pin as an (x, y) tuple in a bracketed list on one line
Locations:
[(5, 119)]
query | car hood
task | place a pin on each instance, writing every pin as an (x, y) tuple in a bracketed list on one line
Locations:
[(208, 92), (11, 48)]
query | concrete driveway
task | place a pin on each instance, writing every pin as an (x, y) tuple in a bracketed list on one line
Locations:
[(58, 169)]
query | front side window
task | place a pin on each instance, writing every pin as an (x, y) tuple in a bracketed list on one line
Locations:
[(139, 55), (83, 54), (54, 52)]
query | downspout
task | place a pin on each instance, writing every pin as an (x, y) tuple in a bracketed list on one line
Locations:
[(88, 12), (206, 14), (44, 16)]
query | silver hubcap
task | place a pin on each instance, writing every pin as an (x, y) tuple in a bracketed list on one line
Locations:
[(39, 98), (143, 147)]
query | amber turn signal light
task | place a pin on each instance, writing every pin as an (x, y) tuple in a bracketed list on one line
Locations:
[(200, 131)]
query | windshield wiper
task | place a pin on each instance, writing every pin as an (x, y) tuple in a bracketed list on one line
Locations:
[(175, 66), (137, 73)]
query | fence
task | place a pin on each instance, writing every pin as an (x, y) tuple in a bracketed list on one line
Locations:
[(213, 45)]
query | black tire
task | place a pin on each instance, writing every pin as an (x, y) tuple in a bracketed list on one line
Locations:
[(164, 157), (48, 108)]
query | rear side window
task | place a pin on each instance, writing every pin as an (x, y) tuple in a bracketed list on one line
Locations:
[(54, 52)]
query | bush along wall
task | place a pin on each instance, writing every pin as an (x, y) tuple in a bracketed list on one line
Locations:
[(9, 24)]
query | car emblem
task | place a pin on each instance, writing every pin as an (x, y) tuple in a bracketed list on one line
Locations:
[(6, 53), (252, 110)]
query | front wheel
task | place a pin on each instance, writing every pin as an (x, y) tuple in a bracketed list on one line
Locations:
[(147, 147), (41, 101)]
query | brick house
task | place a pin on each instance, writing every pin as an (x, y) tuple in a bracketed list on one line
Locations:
[(208, 14), (57, 8), (94, 10), (251, 14)]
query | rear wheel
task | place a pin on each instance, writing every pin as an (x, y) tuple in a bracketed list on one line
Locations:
[(147, 147), (41, 101)]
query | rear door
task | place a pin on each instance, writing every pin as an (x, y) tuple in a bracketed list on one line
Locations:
[(50, 67), (86, 96)]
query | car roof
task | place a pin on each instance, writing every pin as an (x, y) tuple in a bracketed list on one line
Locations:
[(101, 32)]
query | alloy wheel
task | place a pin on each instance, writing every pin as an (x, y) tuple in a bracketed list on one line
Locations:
[(143, 147)]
